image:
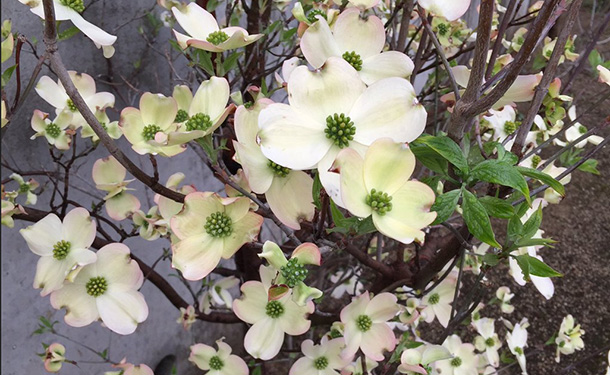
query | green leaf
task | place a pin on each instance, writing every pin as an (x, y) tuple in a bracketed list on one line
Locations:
[(503, 155), (595, 59), (445, 205), (513, 231), (497, 207), (430, 158), (317, 187), (491, 259), (531, 226), (231, 61), (534, 242), (534, 266), (447, 148), (6, 76), (551, 341), (499, 172), (68, 33), (477, 220), (365, 226), (543, 177), (204, 59), (590, 166), (208, 147)]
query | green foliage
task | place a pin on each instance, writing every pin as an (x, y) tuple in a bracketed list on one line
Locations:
[(68, 33), (430, 158), (534, 266), (477, 220), (445, 205), (497, 207), (6, 76), (44, 326), (500, 172), (543, 177), (447, 148), (349, 225), (316, 189)]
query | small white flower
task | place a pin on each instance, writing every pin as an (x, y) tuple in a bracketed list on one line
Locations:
[(488, 340), (517, 341), (569, 337)]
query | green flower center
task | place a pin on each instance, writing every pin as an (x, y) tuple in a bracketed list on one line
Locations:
[(61, 249), (293, 272), (149, 132), (510, 126), (379, 201), (340, 128), (200, 121), (96, 286), (278, 169), (274, 309), (582, 129), (53, 130), (518, 350), (490, 342), (181, 116), (334, 333), (536, 161), (434, 299), (456, 362), (216, 363), (219, 224), (311, 17), (217, 37), (364, 323), (520, 40), (70, 103), (24, 188), (442, 29), (104, 126), (77, 5), (320, 363), (549, 53), (353, 59)]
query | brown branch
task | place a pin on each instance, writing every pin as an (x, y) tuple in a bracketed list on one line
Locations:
[(498, 43)]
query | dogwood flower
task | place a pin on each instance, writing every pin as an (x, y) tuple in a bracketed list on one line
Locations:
[(61, 246), (210, 228), (111, 127), (379, 185), (569, 338), (169, 207), (331, 109), (502, 122), (109, 175), (517, 341), (55, 94), (54, 357), (488, 340), (451, 10), (53, 131), (293, 272), (26, 188), (366, 325), (576, 131), (270, 319), (504, 295), (150, 229), (217, 294), (420, 360), (70, 10), (604, 74), (204, 33), (463, 362), (357, 40), (438, 302), (288, 192), (217, 362), (187, 317), (106, 290), (323, 359), (152, 130)]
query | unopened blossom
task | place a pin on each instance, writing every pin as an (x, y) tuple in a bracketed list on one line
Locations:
[(109, 175), (217, 362), (379, 185), (366, 326), (210, 228), (517, 341), (26, 188), (504, 295), (576, 131), (463, 362), (55, 94), (293, 272), (204, 33), (151, 129), (451, 10), (217, 294), (488, 340), (71, 10), (288, 192), (61, 246), (130, 369), (332, 109), (110, 127), (187, 317), (438, 302), (357, 40), (54, 357), (149, 230), (106, 290), (604, 74), (54, 131), (421, 360), (569, 338), (323, 359), (270, 319)]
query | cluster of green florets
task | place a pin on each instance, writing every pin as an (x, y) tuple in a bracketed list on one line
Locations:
[(217, 37), (442, 29), (340, 128), (320, 363), (434, 299), (24, 188), (200, 121), (96, 286), (61, 250), (490, 342), (219, 224), (181, 116), (77, 5), (536, 161), (274, 309), (456, 362), (149, 132), (71, 105), (311, 16), (364, 323), (216, 363), (511, 126), (379, 202), (353, 59), (278, 169), (293, 272), (53, 130)]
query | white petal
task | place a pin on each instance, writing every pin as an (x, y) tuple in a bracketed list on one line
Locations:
[(290, 198), (51, 92), (50, 274), (385, 65), (245, 230), (157, 109), (264, 339), (294, 321), (376, 339), (318, 44), (79, 228), (365, 36), (251, 307), (211, 98), (303, 366), (451, 10), (122, 205), (81, 309), (382, 308), (197, 256), (411, 205), (246, 121), (350, 165), (97, 35), (121, 311), (41, 236), (195, 20), (255, 165), (115, 264), (387, 166)]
